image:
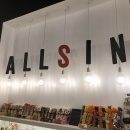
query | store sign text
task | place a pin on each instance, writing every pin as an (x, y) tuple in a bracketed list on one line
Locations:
[(64, 62)]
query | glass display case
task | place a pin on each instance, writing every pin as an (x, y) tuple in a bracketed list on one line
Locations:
[(10, 123), (6, 125)]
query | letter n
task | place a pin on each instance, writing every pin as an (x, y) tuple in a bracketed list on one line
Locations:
[(118, 49)]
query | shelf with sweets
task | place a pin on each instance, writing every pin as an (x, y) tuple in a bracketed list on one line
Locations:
[(45, 124), (38, 123)]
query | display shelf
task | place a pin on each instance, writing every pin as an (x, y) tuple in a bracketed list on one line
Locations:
[(40, 124), (45, 124)]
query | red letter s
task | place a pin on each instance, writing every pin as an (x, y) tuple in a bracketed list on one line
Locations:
[(66, 60)]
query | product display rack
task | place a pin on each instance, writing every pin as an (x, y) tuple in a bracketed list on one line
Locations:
[(38, 123), (45, 124)]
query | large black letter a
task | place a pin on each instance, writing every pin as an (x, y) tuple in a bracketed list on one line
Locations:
[(120, 50), (10, 66)]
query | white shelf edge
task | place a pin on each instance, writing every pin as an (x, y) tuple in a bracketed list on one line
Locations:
[(39, 123), (46, 124)]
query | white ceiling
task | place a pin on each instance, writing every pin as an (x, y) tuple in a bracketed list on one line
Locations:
[(53, 11)]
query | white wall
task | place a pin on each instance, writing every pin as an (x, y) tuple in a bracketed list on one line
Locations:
[(5, 47), (75, 93)]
